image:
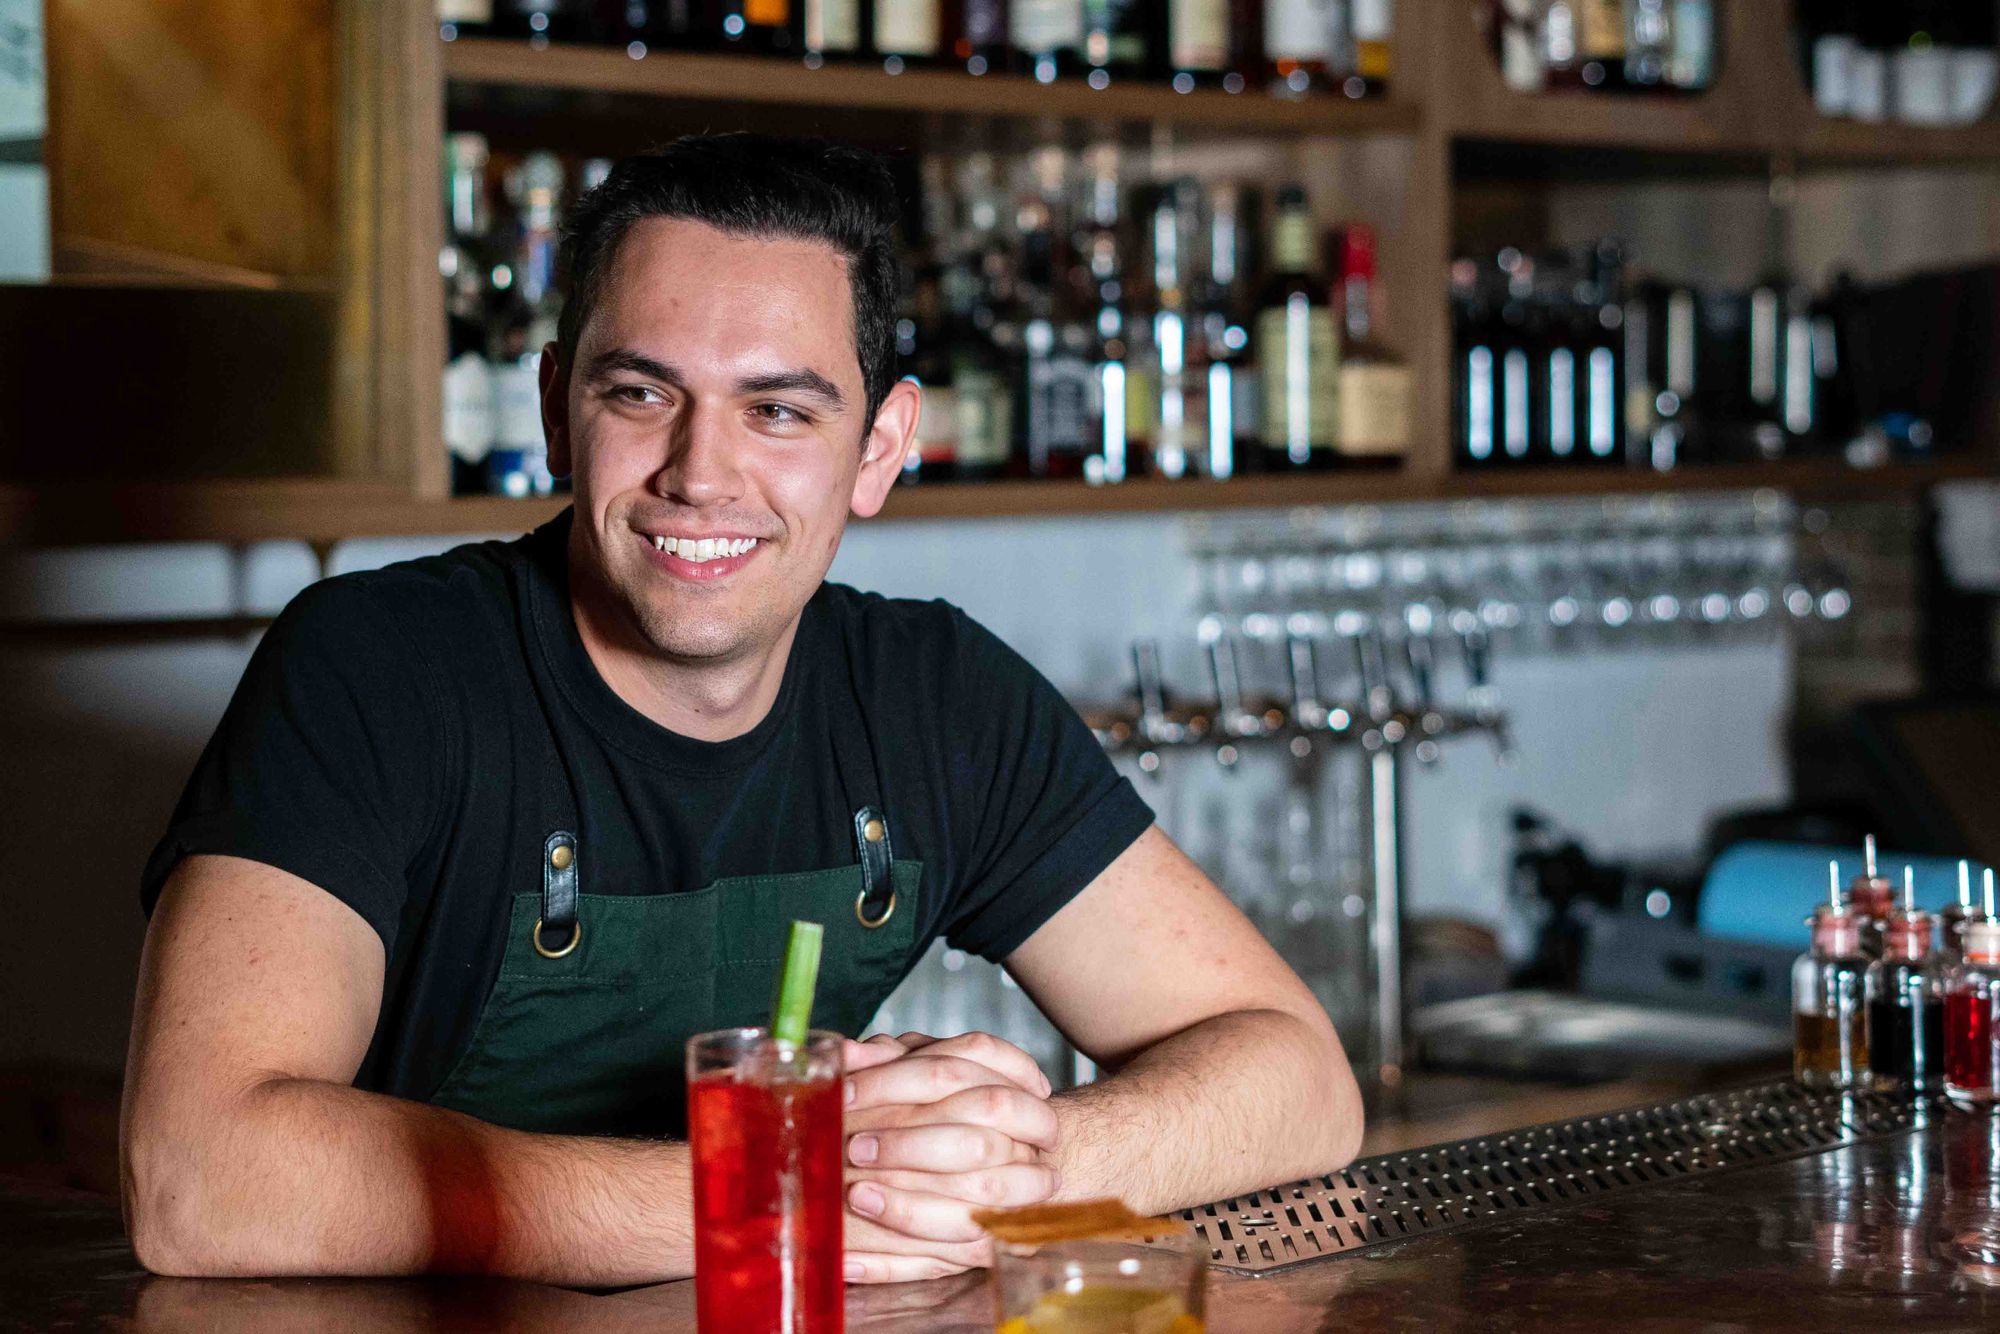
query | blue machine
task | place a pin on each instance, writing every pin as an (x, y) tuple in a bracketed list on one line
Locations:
[(1763, 892)]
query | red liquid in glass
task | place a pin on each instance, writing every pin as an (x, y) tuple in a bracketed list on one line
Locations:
[(765, 1264), (1968, 1042)]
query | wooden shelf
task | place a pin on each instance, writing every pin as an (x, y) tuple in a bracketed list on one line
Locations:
[(327, 511), (699, 77)]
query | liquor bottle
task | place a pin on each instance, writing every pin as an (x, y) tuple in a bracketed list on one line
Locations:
[(1297, 343), (1829, 1000), (1691, 60), (1603, 44), (763, 26), (1951, 922), (1224, 312), (468, 377), (1474, 402), (1297, 43), (979, 39), (1518, 44), (1557, 364), (539, 21), (1179, 417), (1047, 37), (922, 355), (1372, 24), (1119, 41), (1198, 42), (1972, 1013), (1374, 394), (1523, 418), (518, 463), (1906, 1004), (1058, 425), (464, 18), (1831, 32), (1649, 43), (1101, 265), (1561, 50), (1601, 352), (1975, 61), (907, 31), (1920, 65), (1876, 36), (978, 292), (831, 30)]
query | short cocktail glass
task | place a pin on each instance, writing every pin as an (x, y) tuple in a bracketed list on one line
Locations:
[(1101, 1286), (764, 1128)]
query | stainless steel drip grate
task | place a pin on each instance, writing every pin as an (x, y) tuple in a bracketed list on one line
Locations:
[(1401, 1196)]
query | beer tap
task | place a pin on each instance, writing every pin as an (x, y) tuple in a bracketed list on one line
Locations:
[(1371, 660), (1420, 657), (1477, 647), (1234, 720), (1155, 730)]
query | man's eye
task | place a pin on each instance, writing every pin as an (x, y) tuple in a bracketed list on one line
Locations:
[(779, 414), (637, 393)]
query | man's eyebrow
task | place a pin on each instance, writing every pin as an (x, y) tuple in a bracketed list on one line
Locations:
[(800, 381), (625, 360)]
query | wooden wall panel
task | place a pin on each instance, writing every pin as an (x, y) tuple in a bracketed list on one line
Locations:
[(200, 129)]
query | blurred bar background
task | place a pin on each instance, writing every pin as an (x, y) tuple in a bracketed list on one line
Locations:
[(1474, 462)]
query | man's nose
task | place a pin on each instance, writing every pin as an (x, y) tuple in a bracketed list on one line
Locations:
[(701, 463)]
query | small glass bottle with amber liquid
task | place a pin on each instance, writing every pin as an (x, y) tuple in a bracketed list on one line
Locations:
[(1906, 1003), (1829, 999), (1971, 1000)]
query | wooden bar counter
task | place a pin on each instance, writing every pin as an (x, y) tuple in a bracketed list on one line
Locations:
[(1900, 1232)]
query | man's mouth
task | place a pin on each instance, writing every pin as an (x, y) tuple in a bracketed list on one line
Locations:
[(700, 558)]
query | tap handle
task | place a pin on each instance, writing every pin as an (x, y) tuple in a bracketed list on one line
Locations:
[(1374, 660), (1478, 650), (1302, 655), (1151, 688), (1420, 655), (1223, 672)]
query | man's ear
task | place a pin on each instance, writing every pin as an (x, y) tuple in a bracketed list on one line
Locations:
[(889, 442), (555, 411)]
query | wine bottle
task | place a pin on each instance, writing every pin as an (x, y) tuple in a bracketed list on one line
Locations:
[(1297, 343)]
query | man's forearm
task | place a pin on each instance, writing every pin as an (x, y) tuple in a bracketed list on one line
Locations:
[(1240, 1101), (307, 1177)]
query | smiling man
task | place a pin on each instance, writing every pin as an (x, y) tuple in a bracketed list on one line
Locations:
[(483, 838)]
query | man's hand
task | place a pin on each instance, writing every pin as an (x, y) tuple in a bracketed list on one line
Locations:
[(937, 1127)]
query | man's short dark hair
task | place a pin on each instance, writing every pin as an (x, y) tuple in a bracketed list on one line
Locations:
[(752, 185)]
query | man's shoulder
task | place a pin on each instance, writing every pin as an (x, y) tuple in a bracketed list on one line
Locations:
[(913, 645), (413, 605)]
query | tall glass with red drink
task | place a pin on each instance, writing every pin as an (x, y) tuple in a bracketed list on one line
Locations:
[(764, 1125)]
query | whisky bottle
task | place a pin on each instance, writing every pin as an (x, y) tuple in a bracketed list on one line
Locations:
[(1374, 391), (1297, 344)]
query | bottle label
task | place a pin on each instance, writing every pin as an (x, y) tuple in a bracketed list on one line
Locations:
[(906, 27), (1301, 376), (465, 11), (1601, 25), (1047, 25), (1371, 20), (1374, 409), (1059, 400), (767, 13), (1974, 73), (1292, 242), (1692, 63), (985, 421), (517, 405), (938, 426), (468, 407), (1833, 74), (1868, 85), (1300, 30), (1922, 81), (833, 25), (1198, 32)]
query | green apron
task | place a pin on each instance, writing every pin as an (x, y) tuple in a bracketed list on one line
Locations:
[(585, 1028)]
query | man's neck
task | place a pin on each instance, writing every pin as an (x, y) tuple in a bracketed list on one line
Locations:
[(705, 701)]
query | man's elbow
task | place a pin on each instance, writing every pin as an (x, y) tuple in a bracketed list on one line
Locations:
[(176, 1229), (1346, 1119)]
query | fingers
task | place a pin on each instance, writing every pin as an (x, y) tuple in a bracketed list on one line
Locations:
[(868, 1238), (922, 1078), (878, 1050), (938, 1206), (874, 1267), (996, 1054), (948, 1145)]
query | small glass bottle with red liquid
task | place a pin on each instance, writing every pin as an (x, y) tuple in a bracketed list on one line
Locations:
[(1951, 922), (1829, 999), (1906, 1003), (1971, 1000), (1872, 898)]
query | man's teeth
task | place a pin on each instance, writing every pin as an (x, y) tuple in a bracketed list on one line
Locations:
[(699, 549)]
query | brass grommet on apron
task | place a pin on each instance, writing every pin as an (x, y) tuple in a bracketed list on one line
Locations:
[(575, 934), (861, 910)]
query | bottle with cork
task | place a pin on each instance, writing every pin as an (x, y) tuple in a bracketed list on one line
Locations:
[(1971, 998), (1906, 1002), (1829, 998), (1951, 922), (1872, 898)]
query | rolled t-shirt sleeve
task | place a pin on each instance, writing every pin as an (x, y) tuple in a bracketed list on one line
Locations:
[(327, 763), (1048, 812)]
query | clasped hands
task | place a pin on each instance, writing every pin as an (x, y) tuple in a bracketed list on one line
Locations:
[(936, 1128)]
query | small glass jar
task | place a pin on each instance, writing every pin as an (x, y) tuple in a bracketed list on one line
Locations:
[(1906, 1008), (1829, 1005), (1101, 1285), (1972, 1019)]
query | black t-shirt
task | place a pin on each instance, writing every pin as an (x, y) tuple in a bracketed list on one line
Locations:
[(406, 738)]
